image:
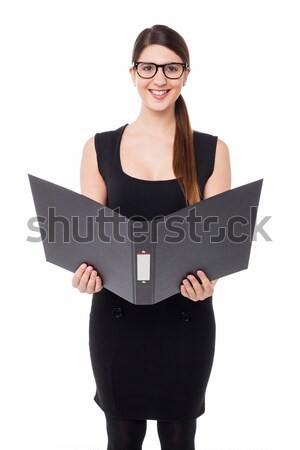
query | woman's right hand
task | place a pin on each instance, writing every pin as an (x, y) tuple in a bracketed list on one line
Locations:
[(86, 280)]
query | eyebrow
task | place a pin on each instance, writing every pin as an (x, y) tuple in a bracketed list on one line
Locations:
[(162, 64)]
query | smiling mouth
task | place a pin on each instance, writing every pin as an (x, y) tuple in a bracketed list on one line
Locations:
[(159, 92)]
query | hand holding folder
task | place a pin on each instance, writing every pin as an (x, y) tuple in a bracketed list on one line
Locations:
[(142, 261)]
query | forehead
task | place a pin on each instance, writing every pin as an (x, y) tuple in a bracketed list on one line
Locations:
[(159, 54)]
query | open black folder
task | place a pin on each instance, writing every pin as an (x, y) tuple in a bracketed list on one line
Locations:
[(143, 261)]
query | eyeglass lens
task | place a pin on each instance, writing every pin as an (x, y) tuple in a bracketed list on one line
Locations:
[(170, 70)]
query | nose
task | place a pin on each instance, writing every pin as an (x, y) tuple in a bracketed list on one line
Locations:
[(160, 77)]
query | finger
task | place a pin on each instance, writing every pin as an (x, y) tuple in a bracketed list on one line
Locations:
[(183, 291), (78, 274), (91, 282), (99, 284), (206, 284), (190, 290), (198, 288), (84, 279), (205, 281)]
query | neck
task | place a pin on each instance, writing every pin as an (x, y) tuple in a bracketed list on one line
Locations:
[(156, 122)]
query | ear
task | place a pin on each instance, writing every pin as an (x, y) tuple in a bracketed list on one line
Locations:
[(132, 73), (186, 74)]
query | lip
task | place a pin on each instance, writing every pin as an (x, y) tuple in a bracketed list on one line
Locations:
[(159, 97)]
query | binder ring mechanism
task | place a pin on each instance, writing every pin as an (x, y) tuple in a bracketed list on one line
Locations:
[(143, 266)]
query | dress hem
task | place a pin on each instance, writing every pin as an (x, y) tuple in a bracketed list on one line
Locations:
[(148, 416)]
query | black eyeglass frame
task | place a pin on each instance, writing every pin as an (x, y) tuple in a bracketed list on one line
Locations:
[(184, 66)]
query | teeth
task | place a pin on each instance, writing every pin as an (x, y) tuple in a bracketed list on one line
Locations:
[(158, 92)]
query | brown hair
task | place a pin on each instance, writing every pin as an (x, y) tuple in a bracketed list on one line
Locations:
[(184, 161)]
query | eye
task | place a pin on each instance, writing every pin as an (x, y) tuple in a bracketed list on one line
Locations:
[(173, 68), (147, 67)]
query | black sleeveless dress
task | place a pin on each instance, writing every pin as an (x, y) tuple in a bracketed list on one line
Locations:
[(150, 361)]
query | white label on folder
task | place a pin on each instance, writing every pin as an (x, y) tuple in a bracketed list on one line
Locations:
[(143, 266)]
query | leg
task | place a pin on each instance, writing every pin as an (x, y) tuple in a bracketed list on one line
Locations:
[(177, 435), (125, 434)]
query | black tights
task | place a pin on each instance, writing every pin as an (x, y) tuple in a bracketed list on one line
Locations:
[(128, 434)]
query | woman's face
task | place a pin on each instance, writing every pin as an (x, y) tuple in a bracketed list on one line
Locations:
[(160, 55)]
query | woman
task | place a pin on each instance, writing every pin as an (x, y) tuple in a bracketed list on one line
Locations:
[(153, 361)]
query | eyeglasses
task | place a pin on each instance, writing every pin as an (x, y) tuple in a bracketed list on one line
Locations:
[(171, 70)]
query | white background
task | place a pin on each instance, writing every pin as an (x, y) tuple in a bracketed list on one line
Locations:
[(65, 77)]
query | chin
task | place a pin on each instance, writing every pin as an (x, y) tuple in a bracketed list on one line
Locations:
[(159, 106), (152, 103)]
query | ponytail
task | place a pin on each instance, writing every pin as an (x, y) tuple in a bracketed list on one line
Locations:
[(184, 159)]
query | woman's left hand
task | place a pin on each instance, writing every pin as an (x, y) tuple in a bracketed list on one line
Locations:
[(192, 289)]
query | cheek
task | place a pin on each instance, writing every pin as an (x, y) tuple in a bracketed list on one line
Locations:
[(142, 89), (142, 93), (142, 85), (175, 93), (176, 88)]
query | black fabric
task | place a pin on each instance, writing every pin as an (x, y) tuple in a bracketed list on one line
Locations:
[(177, 435), (150, 361), (125, 434)]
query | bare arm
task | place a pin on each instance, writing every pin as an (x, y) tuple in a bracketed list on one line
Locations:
[(219, 181), (91, 181), (92, 185)]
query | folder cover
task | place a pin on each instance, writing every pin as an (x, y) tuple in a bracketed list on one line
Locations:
[(143, 261)]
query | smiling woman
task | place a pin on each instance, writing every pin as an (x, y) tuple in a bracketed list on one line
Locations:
[(163, 66), (153, 362)]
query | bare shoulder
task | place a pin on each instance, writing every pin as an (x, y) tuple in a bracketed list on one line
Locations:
[(89, 150), (220, 179), (222, 149), (91, 181)]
